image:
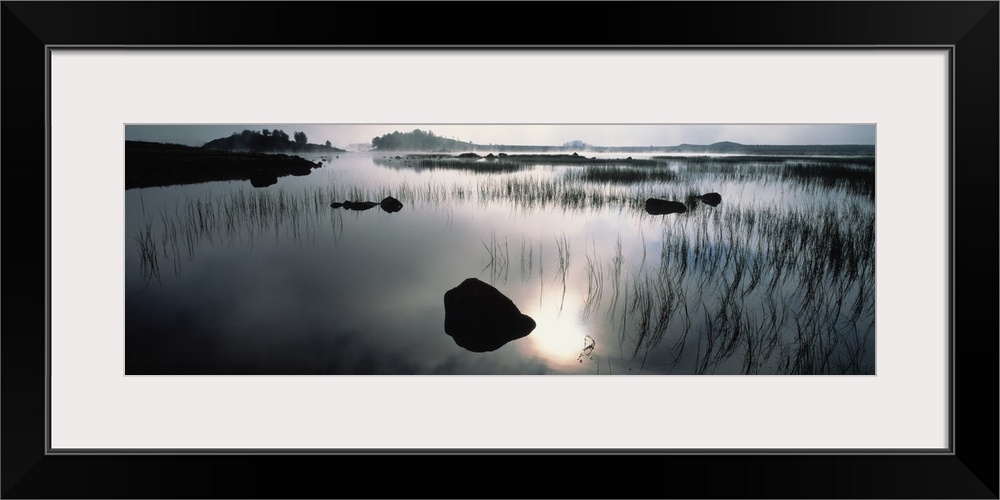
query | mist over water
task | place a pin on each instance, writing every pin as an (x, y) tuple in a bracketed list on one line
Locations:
[(778, 278)]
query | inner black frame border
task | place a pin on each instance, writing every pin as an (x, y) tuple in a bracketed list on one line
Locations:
[(968, 469)]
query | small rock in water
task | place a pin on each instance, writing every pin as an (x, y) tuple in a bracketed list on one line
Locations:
[(391, 205), (662, 207), (711, 199)]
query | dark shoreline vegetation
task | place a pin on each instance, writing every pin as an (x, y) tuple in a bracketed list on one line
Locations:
[(153, 164)]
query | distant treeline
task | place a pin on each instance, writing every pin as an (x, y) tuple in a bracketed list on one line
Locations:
[(418, 140), (269, 141)]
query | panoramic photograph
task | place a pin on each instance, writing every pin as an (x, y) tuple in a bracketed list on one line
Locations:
[(499, 249)]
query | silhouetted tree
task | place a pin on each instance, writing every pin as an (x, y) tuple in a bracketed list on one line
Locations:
[(300, 137), (328, 144)]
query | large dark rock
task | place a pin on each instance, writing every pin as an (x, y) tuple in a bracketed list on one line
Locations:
[(712, 199), (391, 205), (482, 319), (661, 207)]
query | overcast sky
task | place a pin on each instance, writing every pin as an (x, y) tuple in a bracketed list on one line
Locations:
[(535, 135)]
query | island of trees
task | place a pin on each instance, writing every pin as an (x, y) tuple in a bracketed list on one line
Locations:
[(269, 141), (418, 140)]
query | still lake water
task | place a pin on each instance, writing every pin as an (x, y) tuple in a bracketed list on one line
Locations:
[(225, 278)]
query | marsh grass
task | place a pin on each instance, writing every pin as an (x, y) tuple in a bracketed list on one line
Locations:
[(623, 174), (595, 283), (474, 165), (238, 220), (854, 176), (780, 291), (562, 250), (750, 288), (527, 258), (148, 255), (627, 187), (498, 258)]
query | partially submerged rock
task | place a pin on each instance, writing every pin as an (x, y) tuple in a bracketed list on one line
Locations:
[(480, 318), (391, 205), (662, 207), (711, 199), (359, 205)]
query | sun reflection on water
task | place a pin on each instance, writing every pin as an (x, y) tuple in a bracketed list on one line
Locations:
[(559, 336)]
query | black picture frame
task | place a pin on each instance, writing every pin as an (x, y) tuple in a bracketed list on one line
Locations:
[(970, 29)]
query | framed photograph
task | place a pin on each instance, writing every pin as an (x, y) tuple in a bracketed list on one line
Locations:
[(280, 246)]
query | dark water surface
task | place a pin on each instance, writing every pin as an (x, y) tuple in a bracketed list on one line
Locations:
[(225, 278)]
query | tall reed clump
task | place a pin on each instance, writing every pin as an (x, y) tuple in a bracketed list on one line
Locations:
[(615, 174), (562, 248), (498, 258), (478, 166)]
